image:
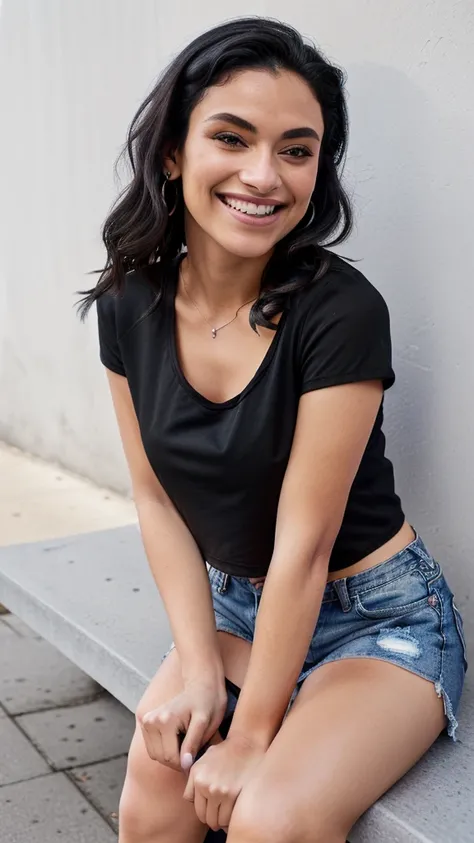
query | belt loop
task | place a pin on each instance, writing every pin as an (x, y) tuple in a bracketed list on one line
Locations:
[(223, 583), (340, 587), (419, 547)]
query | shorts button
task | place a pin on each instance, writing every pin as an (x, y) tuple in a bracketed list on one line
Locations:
[(433, 600)]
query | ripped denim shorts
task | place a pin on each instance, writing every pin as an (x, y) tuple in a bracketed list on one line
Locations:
[(401, 611)]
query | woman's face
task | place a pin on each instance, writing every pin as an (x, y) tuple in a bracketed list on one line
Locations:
[(250, 160)]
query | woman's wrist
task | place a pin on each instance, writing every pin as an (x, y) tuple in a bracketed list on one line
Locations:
[(251, 736), (205, 670)]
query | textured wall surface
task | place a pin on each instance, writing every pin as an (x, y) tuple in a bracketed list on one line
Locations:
[(72, 75)]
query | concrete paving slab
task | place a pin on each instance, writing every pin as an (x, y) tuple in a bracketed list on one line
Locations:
[(19, 760), (102, 784), (39, 500), (50, 809), (76, 593), (69, 737), (34, 675)]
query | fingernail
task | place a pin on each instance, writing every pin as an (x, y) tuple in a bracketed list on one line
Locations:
[(187, 761)]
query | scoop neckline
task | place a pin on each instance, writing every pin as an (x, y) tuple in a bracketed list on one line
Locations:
[(198, 396)]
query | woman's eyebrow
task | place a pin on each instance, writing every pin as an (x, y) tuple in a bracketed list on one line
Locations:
[(301, 132)]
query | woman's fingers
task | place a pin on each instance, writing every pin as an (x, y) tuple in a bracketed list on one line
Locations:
[(206, 802), (189, 794), (214, 798), (151, 736), (213, 802), (200, 806), (194, 715), (225, 812), (160, 730), (170, 744), (194, 739)]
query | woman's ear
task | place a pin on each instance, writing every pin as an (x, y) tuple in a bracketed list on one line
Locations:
[(171, 165)]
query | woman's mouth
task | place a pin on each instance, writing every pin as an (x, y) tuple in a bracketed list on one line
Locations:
[(251, 212)]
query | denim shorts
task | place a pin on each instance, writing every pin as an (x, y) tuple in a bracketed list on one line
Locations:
[(401, 611)]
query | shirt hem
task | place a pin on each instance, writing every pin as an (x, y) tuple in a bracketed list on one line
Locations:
[(243, 572), (346, 563), (112, 367), (321, 383)]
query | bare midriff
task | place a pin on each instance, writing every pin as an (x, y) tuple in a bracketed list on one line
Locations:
[(404, 537)]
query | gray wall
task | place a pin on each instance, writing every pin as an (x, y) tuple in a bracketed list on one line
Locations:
[(72, 76)]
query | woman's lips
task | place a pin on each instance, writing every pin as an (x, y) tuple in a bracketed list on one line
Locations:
[(252, 219)]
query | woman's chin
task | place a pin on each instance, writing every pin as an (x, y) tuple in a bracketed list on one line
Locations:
[(245, 247)]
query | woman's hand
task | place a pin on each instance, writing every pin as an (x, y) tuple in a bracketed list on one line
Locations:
[(197, 713), (215, 781)]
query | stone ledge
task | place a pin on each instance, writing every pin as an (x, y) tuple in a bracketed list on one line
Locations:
[(76, 592)]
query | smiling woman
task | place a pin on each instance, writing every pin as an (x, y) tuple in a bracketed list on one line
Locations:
[(247, 364), (263, 174), (188, 113)]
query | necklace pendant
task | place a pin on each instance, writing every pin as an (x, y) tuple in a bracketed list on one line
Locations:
[(214, 333)]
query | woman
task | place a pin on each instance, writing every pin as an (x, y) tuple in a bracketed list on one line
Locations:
[(247, 366)]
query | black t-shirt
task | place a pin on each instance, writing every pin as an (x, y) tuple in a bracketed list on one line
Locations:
[(223, 464)]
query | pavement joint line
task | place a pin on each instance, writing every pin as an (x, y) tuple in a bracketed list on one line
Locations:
[(33, 744), (87, 764), (30, 778), (42, 752), (67, 771), (81, 793), (68, 704), (84, 796), (95, 763)]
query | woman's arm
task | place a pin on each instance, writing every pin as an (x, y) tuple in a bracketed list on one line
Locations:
[(175, 561), (333, 428), (181, 576)]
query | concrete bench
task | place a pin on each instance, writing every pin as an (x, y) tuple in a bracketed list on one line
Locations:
[(93, 597)]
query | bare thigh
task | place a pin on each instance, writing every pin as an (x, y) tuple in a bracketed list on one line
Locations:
[(356, 727), (152, 809)]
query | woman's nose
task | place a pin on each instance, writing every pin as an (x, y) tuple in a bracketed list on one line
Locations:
[(261, 174)]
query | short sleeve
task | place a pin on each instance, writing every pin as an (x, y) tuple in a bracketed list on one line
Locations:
[(346, 335), (108, 339)]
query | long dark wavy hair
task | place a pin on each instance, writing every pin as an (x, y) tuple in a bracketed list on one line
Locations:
[(139, 231)]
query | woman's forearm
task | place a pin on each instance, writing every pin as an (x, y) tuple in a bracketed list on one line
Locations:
[(181, 576), (286, 619)]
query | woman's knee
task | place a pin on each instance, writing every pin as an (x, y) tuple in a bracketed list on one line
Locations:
[(151, 796), (137, 822)]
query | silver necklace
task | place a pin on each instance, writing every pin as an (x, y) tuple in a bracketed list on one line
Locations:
[(214, 330)]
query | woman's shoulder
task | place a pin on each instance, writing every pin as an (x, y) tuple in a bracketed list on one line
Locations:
[(342, 288), (141, 289), (341, 309), (342, 329)]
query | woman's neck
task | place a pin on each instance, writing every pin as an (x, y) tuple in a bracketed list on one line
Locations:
[(220, 280)]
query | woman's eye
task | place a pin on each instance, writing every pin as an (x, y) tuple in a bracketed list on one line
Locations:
[(228, 138), (232, 140), (298, 152)]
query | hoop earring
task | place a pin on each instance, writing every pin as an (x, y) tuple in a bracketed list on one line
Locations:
[(163, 190), (313, 214)]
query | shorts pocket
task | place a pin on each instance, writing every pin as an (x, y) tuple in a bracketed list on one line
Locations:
[(215, 577), (460, 628), (394, 599), (218, 580)]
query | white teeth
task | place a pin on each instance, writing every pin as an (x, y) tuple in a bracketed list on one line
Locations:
[(250, 207)]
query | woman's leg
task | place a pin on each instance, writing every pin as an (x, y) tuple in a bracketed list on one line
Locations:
[(152, 809), (355, 728)]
